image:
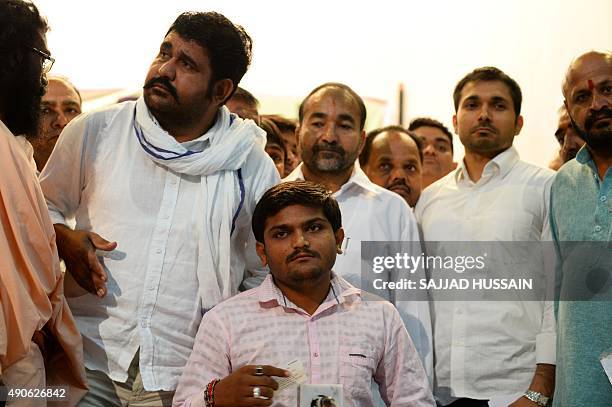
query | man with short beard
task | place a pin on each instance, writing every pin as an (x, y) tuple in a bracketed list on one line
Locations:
[(492, 197), (581, 223), (36, 325), (330, 136), (171, 180)]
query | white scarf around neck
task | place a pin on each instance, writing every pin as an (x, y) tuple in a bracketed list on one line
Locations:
[(230, 142)]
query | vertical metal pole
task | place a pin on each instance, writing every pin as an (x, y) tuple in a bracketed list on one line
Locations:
[(400, 107)]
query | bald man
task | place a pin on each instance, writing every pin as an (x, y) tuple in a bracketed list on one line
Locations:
[(60, 104), (392, 157), (581, 211)]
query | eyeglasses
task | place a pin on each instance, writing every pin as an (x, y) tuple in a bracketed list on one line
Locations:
[(48, 60)]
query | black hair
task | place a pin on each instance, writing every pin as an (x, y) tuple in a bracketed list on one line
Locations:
[(20, 25), (367, 147), (429, 122), (488, 74), (283, 124), (228, 45), (245, 96), (273, 133), (290, 193), (346, 88), (22, 82)]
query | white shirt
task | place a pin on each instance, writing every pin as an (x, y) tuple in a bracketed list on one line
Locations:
[(488, 349), (372, 213), (99, 173)]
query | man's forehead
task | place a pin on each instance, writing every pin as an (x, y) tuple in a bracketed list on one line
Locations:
[(386, 138), (337, 98), (294, 214), (588, 70), (59, 86), (491, 89), (190, 46)]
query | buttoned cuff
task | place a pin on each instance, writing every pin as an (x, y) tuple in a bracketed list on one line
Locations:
[(546, 348)]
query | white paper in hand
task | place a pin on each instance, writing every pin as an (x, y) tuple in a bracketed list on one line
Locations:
[(297, 376)]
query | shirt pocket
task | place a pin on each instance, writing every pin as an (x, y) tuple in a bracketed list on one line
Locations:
[(357, 367)]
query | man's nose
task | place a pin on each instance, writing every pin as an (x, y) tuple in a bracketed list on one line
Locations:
[(60, 120)]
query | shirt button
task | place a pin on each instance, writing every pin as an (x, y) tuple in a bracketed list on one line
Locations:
[(316, 354), (158, 251), (597, 228), (603, 198), (143, 324)]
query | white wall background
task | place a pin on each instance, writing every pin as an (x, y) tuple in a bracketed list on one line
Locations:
[(370, 45)]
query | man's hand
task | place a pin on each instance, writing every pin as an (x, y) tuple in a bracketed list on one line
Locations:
[(78, 249), (236, 390), (543, 382), (523, 402)]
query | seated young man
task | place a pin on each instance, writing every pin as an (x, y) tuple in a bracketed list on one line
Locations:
[(302, 311)]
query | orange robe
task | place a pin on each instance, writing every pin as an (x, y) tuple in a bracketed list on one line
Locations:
[(31, 283)]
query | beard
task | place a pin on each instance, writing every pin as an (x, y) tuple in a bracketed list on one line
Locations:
[(599, 138), (22, 113), (330, 159)]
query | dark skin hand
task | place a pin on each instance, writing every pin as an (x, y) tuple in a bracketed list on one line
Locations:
[(236, 390), (78, 250), (543, 382)]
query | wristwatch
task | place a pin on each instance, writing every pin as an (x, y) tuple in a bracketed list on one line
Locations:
[(538, 398)]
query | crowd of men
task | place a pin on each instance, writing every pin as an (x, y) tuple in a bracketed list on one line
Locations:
[(183, 249)]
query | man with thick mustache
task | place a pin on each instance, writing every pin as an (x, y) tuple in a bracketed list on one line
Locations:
[(393, 158), (305, 312), (162, 190), (497, 352), (330, 137), (581, 210)]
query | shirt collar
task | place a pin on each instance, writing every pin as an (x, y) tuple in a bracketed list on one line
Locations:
[(501, 164), (358, 177), (584, 155), (341, 291)]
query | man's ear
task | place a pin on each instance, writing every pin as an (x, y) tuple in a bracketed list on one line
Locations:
[(455, 123), (222, 89), (362, 138), (297, 137), (518, 126), (261, 252), (339, 234)]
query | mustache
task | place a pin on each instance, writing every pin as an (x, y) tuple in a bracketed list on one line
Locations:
[(399, 183), (297, 252), (328, 147), (165, 82), (484, 125), (604, 113)]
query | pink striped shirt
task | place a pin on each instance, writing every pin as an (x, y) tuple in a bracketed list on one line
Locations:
[(351, 338)]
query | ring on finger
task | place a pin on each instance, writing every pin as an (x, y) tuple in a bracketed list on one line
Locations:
[(259, 370), (256, 392)]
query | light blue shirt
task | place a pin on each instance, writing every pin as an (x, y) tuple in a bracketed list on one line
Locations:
[(581, 211)]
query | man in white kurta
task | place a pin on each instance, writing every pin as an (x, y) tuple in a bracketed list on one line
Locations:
[(175, 190)]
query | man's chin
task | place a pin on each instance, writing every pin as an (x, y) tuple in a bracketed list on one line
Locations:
[(600, 140)]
